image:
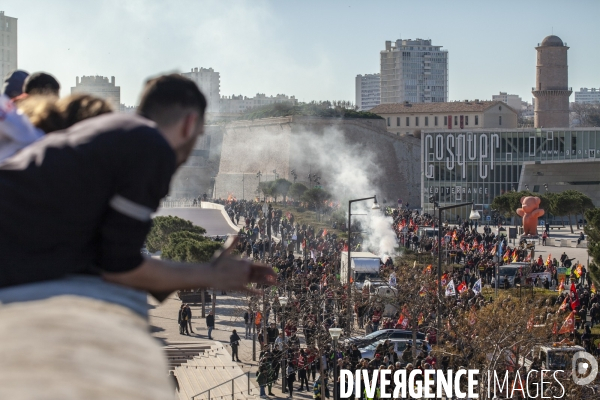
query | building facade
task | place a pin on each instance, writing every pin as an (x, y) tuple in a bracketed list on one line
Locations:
[(8, 44), (239, 104), (551, 89), (368, 91), (209, 83), (415, 71), (478, 165), (406, 118), (588, 96), (514, 101), (99, 86)]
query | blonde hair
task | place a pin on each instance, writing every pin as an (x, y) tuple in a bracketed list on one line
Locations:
[(51, 114)]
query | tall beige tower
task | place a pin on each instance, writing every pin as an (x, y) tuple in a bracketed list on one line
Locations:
[(551, 89)]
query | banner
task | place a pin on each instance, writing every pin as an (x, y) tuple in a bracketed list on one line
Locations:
[(477, 287)]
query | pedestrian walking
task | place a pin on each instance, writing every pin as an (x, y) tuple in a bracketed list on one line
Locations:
[(210, 324), (182, 320), (234, 341), (291, 378), (188, 314)]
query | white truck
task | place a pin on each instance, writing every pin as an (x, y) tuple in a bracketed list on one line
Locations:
[(364, 266)]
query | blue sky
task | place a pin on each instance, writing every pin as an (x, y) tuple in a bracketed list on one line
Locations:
[(310, 49)]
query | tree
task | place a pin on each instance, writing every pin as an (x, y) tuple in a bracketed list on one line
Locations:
[(266, 188), (281, 188), (186, 247), (586, 114), (570, 202), (162, 227), (592, 230), (315, 197), (297, 190)]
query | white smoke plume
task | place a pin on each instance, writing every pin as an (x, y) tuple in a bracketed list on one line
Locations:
[(349, 172)]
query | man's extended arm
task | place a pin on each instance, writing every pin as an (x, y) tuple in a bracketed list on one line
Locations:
[(226, 273)]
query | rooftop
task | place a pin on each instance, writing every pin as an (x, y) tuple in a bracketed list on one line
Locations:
[(552, 41), (454, 106)]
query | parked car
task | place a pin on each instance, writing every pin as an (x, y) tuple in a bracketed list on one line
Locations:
[(382, 335), (399, 346)]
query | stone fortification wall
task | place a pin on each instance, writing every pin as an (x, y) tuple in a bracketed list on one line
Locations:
[(196, 176), (325, 146)]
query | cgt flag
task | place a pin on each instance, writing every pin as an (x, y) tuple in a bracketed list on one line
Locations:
[(450, 290), (461, 288), (569, 325)]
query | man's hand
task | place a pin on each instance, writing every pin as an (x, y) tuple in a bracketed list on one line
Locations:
[(225, 272)]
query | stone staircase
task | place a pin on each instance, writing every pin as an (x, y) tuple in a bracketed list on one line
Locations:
[(210, 368)]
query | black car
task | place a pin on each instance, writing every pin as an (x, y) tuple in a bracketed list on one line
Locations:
[(382, 335)]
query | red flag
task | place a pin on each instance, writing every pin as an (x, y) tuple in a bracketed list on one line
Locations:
[(481, 248), (324, 232), (561, 286), (564, 304), (444, 280), (573, 288), (569, 325), (462, 287)]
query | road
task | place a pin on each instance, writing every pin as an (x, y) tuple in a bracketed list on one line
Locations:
[(211, 220)]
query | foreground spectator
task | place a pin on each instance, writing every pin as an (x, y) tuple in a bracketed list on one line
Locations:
[(76, 210)]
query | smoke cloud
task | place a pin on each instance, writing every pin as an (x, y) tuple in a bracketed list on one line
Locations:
[(349, 171)]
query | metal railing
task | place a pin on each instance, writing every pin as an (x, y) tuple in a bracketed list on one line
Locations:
[(180, 204), (233, 392)]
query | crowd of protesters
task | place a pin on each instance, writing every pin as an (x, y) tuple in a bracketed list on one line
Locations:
[(296, 340)]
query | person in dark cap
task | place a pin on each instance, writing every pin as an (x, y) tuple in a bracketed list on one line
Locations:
[(41, 83), (13, 84)]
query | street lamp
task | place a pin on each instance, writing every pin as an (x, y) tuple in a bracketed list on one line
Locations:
[(335, 335), (375, 206), (283, 301)]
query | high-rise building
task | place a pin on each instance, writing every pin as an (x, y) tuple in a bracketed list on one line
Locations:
[(8, 44), (414, 71), (101, 87), (514, 101), (588, 96), (368, 91), (552, 89), (209, 83)]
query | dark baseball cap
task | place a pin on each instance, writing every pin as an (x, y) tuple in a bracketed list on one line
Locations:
[(13, 83)]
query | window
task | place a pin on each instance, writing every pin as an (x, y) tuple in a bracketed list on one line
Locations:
[(500, 108), (416, 121), (388, 121), (455, 120), (435, 121), (445, 120), (500, 120), (426, 121), (466, 120), (397, 121), (407, 122), (477, 120)]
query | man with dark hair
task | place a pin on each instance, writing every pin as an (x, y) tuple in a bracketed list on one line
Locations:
[(41, 83), (76, 208)]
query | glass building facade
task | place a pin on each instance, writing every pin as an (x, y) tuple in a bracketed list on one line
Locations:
[(477, 166)]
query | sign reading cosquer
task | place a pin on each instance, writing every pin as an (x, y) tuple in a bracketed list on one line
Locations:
[(456, 150)]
